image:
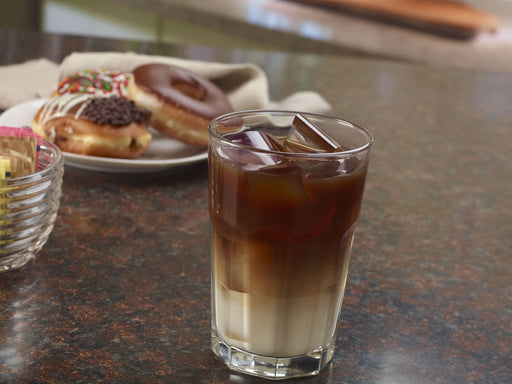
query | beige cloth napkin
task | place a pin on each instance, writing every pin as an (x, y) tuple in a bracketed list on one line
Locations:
[(26, 81), (246, 85)]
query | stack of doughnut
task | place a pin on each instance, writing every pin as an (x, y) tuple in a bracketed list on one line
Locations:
[(107, 113)]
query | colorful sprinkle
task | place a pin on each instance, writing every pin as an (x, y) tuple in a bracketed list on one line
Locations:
[(102, 82)]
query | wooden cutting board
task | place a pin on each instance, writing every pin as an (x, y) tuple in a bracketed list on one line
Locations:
[(447, 17)]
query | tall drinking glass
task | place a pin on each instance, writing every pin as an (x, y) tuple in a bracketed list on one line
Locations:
[(285, 191)]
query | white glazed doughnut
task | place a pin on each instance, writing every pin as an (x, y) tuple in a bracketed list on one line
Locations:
[(89, 114)]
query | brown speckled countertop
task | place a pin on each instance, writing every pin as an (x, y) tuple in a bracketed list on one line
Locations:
[(120, 293)]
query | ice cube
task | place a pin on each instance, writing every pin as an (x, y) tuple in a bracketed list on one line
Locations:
[(320, 169), (276, 189), (255, 139), (258, 140), (304, 136)]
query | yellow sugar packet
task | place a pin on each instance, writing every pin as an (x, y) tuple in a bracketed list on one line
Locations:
[(5, 169)]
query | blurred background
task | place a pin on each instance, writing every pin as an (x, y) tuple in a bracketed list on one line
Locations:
[(282, 25)]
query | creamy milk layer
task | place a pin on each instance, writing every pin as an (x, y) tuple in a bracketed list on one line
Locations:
[(276, 326), (277, 319)]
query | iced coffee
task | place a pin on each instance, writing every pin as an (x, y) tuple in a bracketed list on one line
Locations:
[(285, 195)]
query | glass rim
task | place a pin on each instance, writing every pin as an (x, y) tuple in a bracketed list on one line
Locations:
[(213, 134)]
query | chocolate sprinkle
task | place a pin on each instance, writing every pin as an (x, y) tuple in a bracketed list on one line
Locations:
[(114, 110)]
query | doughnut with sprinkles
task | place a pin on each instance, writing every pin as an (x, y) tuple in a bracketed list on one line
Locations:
[(89, 114)]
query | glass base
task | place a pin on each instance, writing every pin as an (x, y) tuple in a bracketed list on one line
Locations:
[(275, 368), (11, 263)]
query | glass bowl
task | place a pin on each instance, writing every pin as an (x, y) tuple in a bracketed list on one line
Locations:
[(28, 209)]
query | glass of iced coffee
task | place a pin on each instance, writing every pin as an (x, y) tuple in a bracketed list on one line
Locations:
[(285, 193)]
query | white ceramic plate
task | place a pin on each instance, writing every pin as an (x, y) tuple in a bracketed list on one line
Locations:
[(163, 152)]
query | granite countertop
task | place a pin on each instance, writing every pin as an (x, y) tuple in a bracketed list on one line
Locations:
[(121, 291)]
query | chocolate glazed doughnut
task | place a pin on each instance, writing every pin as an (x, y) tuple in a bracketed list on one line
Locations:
[(181, 102)]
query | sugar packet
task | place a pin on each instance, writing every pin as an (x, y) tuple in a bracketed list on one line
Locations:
[(21, 146)]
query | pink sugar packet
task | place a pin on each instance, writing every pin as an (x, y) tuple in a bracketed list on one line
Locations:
[(21, 132)]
